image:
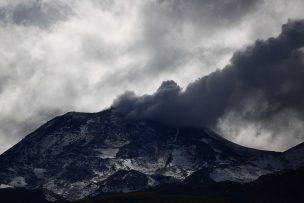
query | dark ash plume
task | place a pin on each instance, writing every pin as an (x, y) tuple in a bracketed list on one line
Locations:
[(261, 82)]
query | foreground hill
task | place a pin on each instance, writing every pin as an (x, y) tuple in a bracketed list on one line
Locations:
[(281, 187)]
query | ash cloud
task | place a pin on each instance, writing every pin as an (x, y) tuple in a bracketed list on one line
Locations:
[(264, 84)]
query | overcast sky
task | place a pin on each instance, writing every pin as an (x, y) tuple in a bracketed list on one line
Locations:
[(79, 55)]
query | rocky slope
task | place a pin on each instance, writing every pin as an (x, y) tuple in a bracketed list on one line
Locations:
[(85, 154)]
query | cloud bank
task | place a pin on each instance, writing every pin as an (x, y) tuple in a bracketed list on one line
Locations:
[(79, 55), (263, 84)]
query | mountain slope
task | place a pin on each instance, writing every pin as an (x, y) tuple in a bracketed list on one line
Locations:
[(80, 154)]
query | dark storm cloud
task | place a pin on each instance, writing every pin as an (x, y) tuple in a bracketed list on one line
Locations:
[(261, 82)]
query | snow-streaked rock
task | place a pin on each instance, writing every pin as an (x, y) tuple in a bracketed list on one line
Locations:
[(18, 182), (3, 186)]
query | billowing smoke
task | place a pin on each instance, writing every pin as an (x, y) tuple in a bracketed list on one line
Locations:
[(263, 84)]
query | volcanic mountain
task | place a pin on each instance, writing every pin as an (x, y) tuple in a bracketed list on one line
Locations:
[(79, 155)]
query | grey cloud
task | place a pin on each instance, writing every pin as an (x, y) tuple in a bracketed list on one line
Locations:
[(214, 12), (165, 23), (35, 13), (162, 37)]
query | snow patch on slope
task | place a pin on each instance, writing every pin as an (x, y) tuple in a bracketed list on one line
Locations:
[(18, 182), (3, 186), (107, 153), (39, 172)]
